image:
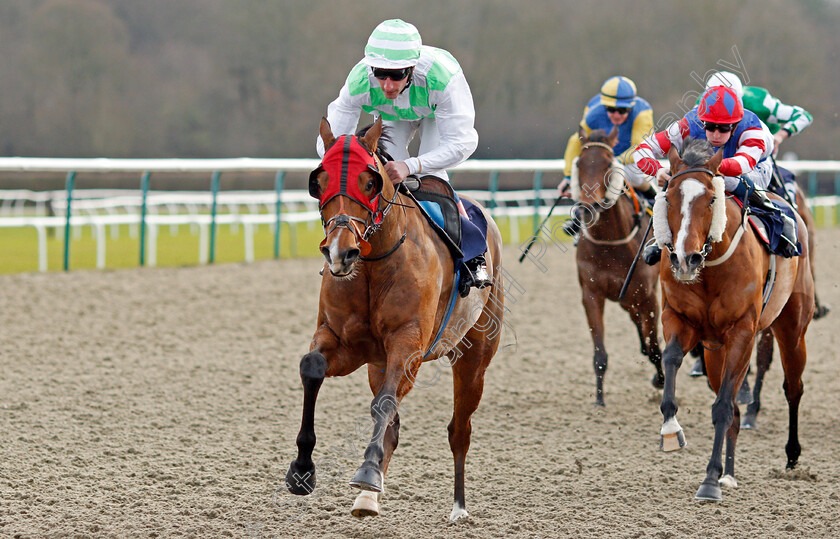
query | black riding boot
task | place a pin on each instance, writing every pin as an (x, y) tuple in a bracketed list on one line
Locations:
[(572, 226), (787, 247), (474, 274), (652, 254)]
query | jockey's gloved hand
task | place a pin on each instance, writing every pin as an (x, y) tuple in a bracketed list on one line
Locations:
[(563, 188), (744, 189)]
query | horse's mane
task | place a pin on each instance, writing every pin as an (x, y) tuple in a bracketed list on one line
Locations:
[(697, 152), (385, 137)]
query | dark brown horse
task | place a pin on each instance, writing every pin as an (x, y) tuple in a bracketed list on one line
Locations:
[(713, 287), (386, 287), (606, 249)]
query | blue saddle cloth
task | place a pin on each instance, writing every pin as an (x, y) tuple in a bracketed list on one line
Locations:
[(774, 223), (473, 230)]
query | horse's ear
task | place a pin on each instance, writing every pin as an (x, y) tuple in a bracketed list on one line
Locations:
[(326, 133), (582, 136), (674, 158), (713, 164), (612, 138), (371, 138)]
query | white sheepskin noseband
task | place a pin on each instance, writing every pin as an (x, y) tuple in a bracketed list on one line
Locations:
[(661, 230), (718, 210)]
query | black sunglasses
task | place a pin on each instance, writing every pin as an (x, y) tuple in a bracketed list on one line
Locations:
[(393, 74), (720, 128), (620, 110)]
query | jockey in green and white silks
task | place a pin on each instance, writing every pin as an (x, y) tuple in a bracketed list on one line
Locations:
[(416, 90), (436, 104)]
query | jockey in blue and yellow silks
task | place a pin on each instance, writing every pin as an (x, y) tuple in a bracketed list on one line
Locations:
[(617, 105)]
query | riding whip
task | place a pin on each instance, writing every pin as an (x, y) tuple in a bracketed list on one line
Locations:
[(638, 254), (534, 238)]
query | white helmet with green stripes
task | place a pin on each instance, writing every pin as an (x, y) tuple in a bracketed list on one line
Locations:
[(394, 44)]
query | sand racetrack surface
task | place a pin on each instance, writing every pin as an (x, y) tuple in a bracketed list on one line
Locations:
[(166, 402)]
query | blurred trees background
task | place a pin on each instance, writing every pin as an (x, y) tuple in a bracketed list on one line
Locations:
[(228, 78)]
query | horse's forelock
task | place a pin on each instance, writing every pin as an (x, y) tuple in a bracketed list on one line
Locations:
[(384, 137), (598, 135), (697, 152)]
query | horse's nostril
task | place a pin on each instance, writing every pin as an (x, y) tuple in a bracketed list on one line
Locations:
[(351, 256), (695, 260), (675, 261), (326, 251)]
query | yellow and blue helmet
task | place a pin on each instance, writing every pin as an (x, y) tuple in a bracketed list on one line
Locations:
[(618, 92)]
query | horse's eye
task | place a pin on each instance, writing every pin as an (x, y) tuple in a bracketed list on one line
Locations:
[(370, 185), (712, 203)]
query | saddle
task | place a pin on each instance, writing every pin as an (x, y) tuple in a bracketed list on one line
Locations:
[(436, 200), (770, 225)]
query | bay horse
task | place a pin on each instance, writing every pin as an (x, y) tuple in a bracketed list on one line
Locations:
[(607, 246), (385, 290), (713, 289), (764, 346)]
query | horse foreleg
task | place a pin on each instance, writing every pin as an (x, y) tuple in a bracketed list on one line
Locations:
[(671, 434), (367, 502), (593, 304), (763, 358), (300, 479), (726, 369), (314, 367), (403, 350)]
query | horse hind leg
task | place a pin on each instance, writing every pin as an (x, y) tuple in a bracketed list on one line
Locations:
[(793, 356), (468, 386), (763, 358), (645, 320)]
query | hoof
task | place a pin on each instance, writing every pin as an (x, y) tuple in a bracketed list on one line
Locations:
[(672, 442), (748, 422), (658, 381), (671, 436), (458, 513), (368, 478), (300, 480), (697, 369), (821, 311), (366, 504), (599, 403), (709, 492), (744, 394)]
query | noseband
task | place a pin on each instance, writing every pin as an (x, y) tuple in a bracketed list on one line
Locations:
[(603, 204)]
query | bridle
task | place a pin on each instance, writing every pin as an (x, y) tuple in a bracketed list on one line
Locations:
[(362, 229), (707, 246), (606, 204)]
